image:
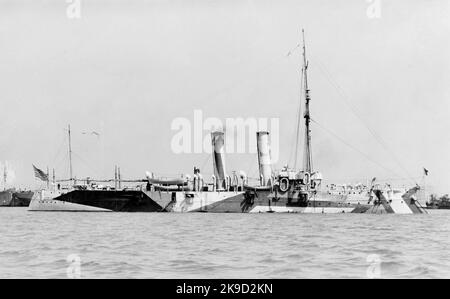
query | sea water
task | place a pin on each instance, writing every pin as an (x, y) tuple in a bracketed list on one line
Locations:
[(207, 245)]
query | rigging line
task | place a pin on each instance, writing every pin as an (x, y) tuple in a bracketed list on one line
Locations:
[(239, 82), (205, 162), (86, 163), (353, 108), (61, 146), (311, 151), (355, 149), (293, 50), (378, 179), (62, 160), (299, 113)]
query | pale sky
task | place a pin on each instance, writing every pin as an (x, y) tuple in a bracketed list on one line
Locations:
[(127, 69)]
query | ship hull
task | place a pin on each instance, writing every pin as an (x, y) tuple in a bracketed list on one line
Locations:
[(223, 202), (266, 201), (15, 199), (250, 202), (5, 198), (96, 201), (22, 198)]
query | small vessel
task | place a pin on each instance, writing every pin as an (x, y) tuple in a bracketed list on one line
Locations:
[(5, 198), (442, 203), (12, 197)]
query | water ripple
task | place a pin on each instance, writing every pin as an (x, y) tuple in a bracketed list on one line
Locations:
[(147, 245)]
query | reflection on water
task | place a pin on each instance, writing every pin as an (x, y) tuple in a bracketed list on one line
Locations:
[(150, 245)]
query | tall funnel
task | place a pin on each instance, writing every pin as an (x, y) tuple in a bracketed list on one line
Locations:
[(264, 162), (218, 145)]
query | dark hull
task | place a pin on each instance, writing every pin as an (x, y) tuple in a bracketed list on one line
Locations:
[(22, 199), (15, 199), (117, 201), (5, 198), (445, 206)]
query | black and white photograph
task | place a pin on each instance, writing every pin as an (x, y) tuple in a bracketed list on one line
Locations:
[(238, 143)]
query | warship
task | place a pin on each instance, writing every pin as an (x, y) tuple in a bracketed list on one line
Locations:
[(285, 191)]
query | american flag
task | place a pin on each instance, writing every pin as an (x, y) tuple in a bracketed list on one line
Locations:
[(40, 174)]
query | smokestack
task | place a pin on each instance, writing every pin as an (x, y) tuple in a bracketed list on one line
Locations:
[(115, 177), (264, 162), (218, 144)]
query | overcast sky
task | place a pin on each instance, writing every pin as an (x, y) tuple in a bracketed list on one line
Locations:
[(126, 69)]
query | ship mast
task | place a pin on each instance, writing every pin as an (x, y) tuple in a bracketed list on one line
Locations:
[(70, 156), (307, 158)]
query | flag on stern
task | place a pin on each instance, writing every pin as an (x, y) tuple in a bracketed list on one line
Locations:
[(40, 174), (425, 171)]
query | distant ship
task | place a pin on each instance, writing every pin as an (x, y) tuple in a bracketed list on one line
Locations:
[(442, 203), (12, 197)]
